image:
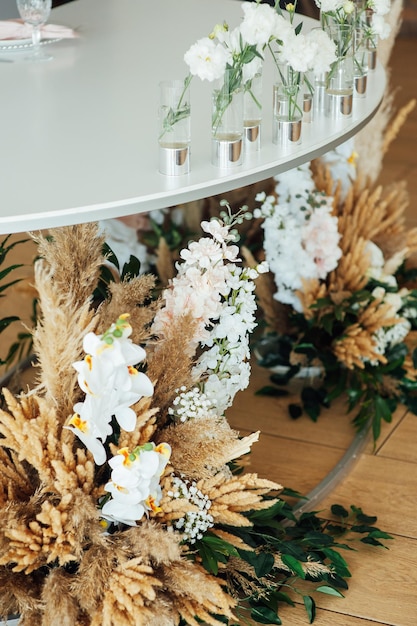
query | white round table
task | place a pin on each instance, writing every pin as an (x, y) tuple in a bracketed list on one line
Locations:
[(79, 134)]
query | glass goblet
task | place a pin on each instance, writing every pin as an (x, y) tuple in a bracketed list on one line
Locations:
[(35, 13)]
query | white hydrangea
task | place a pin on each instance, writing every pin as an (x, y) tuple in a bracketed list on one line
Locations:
[(299, 226)]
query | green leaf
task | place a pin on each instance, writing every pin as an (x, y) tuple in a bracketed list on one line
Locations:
[(414, 357), (110, 255), (382, 408), (264, 615), (132, 268), (310, 607), (280, 596), (339, 511), (264, 564), (372, 542), (362, 528), (295, 411), (208, 558), (269, 390), (6, 321), (338, 562), (293, 564), (330, 591), (7, 285), (380, 534), (362, 517)]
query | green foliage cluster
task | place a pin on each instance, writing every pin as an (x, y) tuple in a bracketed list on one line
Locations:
[(309, 538), (373, 391)]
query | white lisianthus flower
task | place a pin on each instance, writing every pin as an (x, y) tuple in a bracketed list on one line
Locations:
[(283, 29), (298, 51), (380, 27), (330, 6), (324, 50), (259, 23), (207, 59), (380, 7)]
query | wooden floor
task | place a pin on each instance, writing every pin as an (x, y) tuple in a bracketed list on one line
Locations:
[(299, 454)]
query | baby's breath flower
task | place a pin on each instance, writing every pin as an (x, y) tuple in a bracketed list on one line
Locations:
[(193, 524)]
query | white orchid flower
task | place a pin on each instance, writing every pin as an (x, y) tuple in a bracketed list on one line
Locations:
[(134, 484), (88, 435)]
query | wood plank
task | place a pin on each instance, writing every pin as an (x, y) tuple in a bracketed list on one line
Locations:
[(402, 443), (270, 415), (295, 464), (382, 588), (296, 616), (383, 487)]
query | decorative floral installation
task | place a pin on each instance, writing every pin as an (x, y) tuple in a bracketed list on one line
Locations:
[(122, 497), (354, 314)]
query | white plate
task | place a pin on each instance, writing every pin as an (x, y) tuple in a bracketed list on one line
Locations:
[(13, 44)]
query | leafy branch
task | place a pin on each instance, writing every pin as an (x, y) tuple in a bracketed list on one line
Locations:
[(286, 550)]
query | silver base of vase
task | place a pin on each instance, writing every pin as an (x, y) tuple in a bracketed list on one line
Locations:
[(227, 153), (361, 83), (174, 161), (286, 133), (252, 138), (308, 108), (372, 56), (340, 105)]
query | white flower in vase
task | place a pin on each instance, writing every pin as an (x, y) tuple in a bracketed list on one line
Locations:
[(323, 51), (379, 27), (260, 24), (207, 59), (379, 7)]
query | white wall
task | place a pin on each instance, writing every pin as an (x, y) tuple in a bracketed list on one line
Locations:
[(8, 9)]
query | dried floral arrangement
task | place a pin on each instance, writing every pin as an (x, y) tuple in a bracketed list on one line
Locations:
[(122, 500), (349, 306)]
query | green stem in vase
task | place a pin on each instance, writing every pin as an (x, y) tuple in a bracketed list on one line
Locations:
[(181, 111), (248, 89)]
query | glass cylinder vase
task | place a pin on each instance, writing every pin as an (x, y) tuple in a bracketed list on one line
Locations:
[(340, 78), (361, 62), (174, 127), (308, 97), (287, 107), (252, 113), (227, 122)]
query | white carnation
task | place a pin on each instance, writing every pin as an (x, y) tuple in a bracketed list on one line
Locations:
[(206, 59)]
